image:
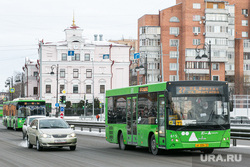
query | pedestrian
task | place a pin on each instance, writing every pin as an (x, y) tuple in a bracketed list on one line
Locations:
[(97, 117)]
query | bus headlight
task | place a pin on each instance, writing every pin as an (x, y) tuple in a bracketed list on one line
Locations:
[(176, 140), (172, 139), (224, 138)]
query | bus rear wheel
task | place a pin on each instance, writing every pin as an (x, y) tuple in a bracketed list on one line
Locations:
[(208, 151), (122, 146), (153, 148)]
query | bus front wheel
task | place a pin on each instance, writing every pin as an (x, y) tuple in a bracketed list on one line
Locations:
[(208, 151), (153, 148), (122, 146)]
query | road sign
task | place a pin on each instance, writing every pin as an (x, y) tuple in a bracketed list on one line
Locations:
[(71, 53), (63, 91), (62, 115), (136, 55), (57, 104), (12, 90), (62, 109), (106, 56)]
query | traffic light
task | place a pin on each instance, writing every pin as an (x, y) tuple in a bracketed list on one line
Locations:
[(63, 99)]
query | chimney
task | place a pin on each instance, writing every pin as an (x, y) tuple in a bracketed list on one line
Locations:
[(100, 37), (95, 37)]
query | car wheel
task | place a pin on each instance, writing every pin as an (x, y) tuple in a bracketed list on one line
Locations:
[(153, 147), (28, 143), (122, 146), (72, 148), (38, 146)]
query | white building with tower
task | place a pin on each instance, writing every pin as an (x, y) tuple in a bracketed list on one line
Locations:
[(81, 67)]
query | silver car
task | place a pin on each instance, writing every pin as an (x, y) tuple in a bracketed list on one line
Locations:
[(27, 123), (50, 132)]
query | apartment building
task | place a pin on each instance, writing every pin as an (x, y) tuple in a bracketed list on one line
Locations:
[(191, 28)]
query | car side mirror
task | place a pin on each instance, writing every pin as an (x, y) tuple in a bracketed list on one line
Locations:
[(24, 123), (72, 126), (33, 127)]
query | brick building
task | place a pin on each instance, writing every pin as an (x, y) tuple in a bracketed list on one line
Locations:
[(186, 30)]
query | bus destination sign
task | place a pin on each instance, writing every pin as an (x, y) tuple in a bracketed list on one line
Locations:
[(143, 89), (199, 90)]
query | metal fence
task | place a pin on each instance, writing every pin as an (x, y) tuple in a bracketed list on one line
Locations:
[(80, 111)]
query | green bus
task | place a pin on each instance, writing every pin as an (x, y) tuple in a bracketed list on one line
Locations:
[(1, 110), (16, 111), (188, 115)]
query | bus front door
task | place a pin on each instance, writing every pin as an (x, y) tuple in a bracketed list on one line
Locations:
[(131, 120), (162, 122)]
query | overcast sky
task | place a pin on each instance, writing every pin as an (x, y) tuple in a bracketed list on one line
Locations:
[(24, 22)]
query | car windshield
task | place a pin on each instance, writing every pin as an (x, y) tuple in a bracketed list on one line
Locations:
[(52, 123), (31, 119), (197, 111)]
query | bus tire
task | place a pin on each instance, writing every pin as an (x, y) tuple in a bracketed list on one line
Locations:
[(153, 148), (208, 151), (122, 146), (28, 143)]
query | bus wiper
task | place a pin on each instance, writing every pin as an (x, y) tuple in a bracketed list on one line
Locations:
[(181, 128)]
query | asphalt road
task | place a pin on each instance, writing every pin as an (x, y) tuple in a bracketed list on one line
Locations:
[(94, 151)]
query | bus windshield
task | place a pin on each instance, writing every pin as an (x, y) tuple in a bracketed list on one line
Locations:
[(196, 111), (25, 111)]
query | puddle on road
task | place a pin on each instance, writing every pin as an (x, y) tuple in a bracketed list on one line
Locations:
[(23, 143)]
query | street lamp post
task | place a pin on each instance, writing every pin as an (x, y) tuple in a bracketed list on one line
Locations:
[(205, 45), (93, 106), (145, 67), (52, 73), (9, 81)]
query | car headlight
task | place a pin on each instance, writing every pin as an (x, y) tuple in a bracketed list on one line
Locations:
[(46, 135), (72, 135)]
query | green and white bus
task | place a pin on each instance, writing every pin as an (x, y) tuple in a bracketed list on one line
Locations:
[(16, 111), (189, 115)]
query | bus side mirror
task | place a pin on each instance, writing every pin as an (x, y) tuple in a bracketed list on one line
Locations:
[(231, 106)]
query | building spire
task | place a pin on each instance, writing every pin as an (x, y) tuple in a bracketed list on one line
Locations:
[(73, 26)]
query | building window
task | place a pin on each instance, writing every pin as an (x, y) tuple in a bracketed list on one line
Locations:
[(48, 88), (172, 77), (35, 90), (215, 78), (62, 73), (173, 54), (174, 30), (87, 57), (75, 73), (215, 6), (76, 57), (88, 73), (75, 88), (64, 57), (174, 42), (215, 66), (35, 74), (244, 22), (245, 11), (196, 41), (174, 19), (196, 17), (244, 34), (61, 88), (196, 29), (196, 5), (102, 88), (173, 66), (88, 89)]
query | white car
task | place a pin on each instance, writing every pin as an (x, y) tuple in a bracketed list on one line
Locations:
[(50, 132), (27, 123)]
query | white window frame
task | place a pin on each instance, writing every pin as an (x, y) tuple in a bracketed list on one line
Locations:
[(173, 66), (244, 22), (172, 43), (196, 29), (216, 66), (172, 77), (196, 18), (174, 30), (86, 57), (196, 41), (173, 54), (244, 34), (216, 76), (196, 5), (75, 86)]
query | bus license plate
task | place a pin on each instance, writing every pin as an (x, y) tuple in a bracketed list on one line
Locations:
[(60, 141), (201, 145)]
